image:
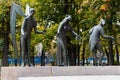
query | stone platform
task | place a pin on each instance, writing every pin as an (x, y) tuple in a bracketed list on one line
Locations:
[(13, 73), (83, 77)]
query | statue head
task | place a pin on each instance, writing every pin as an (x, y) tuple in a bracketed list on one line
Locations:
[(68, 17), (102, 22), (32, 11)]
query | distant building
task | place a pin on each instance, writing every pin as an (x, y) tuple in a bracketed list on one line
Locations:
[(39, 48)]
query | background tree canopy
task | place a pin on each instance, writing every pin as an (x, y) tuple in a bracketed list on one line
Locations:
[(85, 14)]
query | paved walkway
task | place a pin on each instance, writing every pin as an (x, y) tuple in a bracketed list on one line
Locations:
[(84, 77)]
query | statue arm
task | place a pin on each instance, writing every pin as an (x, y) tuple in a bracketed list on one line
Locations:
[(61, 24), (59, 28), (74, 33), (104, 35), (37, 31), (22, 28), (91, 30)]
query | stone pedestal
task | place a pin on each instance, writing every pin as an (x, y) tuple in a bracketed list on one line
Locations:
[(68, 71), (13, 73), (83, 77)]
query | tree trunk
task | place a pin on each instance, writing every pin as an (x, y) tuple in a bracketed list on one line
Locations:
[(107, 54), (117, 54), (110, 47), (83, 54), (116, 49), (5, 47), (111, 18), (43, 58), (111, 56), (70, 52), (66, 7), (74, 54)]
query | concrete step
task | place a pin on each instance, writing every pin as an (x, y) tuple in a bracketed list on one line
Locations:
[(13, 73), (88, 77)]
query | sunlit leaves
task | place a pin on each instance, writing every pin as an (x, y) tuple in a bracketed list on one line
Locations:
[(85, 13), (45, 38), (4, 10), (103, 7)]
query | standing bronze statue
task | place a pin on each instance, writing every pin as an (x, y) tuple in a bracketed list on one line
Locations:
[(94, 41), (26, 29), (15, 9), (63, 28), (28, 24)]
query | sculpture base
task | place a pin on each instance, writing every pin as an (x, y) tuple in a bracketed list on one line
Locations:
[(83, 77), (13, 73)]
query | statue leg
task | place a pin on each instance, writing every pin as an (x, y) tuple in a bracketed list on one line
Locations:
[(28, 52), (23, 51), (101, 53), (95, 57), (64, 54), (59, 51), (101, 57)]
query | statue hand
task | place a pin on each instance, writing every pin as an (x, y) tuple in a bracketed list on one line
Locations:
[(77, 36), (44, 31), (57, 35), (24, 34), (112, 38)]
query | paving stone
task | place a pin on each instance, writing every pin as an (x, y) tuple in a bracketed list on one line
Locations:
[(103, 70), (83, 77), (68, 71), (13, 73)]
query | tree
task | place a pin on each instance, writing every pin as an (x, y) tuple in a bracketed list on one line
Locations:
[(5, 30), (85, 14), (109, 10)]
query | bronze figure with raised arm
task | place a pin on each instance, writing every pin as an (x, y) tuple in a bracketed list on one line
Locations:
[(94, 41), (63, 28), (28, 24)]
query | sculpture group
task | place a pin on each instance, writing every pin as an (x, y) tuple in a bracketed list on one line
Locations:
[(29, 23)]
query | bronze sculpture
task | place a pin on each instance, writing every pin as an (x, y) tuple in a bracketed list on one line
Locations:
[(63, 28), (28, 24), (94, 41), (26, 29), (15, 9)]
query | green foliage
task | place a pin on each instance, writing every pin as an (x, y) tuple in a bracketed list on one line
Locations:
[(85, 14), (45, 38), (4, 14), (4, 21), (1, 45)]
